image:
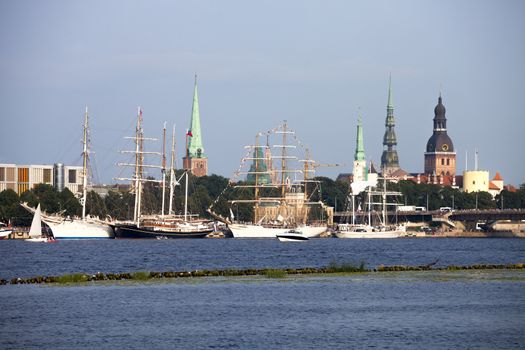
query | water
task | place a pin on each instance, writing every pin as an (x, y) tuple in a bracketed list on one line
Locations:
[(25, 259), (465, 309)]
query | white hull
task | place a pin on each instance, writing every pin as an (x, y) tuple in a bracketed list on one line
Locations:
[(385, 234), (39, 239), (258, 231), (78, 229), (5, 233), (362, 231)]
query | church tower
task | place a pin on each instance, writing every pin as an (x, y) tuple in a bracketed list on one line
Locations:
[(389, 158), (440, 158), (195, 160), (360, 168)]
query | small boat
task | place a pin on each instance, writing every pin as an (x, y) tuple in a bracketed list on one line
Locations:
[(36, 229), (6, 231), (292, 236)]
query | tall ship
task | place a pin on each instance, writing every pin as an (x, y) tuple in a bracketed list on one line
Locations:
[(278, 190), (162, 225), (366, 225), (86, 227)]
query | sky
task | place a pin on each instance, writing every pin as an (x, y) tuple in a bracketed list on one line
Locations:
[(316, 64)]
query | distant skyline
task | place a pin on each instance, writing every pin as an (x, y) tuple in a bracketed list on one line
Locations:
[(313, 63)]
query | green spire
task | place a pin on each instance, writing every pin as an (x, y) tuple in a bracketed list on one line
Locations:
[(195, 147), (360, 148)]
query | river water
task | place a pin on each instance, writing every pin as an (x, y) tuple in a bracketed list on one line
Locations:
[(465, 309)]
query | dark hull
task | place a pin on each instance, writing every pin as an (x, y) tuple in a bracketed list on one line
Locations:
[(130, 231)]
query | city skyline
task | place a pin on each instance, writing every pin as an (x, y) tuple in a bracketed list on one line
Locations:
[(256, 69)]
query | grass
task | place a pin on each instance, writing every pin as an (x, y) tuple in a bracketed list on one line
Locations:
[(140, 276), (274, 273), (73, 278), (345, 267)]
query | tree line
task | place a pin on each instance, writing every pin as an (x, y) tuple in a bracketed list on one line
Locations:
[(205, 190)]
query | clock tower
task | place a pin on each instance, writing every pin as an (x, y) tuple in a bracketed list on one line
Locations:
[(440, 157)]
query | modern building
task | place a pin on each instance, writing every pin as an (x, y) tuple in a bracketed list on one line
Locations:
[(21, 178), (440, 157), (195, 159), (389, 158)]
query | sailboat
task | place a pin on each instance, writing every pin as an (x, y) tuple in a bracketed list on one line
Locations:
[(157, 226), (35, 232), (290, 209), (367, 230), (86, 227)]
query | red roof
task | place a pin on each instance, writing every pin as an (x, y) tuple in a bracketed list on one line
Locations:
[(492, 186), (497, 177)]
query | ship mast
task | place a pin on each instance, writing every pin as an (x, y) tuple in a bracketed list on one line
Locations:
[(137, 179), (163, 168), (172, 171), (138, 167), (84, 165)]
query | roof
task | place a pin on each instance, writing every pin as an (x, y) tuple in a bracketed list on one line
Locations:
[(492, 186), (497, 177)]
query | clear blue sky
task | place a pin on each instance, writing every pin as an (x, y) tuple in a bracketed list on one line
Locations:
[(314, 63)]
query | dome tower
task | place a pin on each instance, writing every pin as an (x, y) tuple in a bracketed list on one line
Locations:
[(440, 157)]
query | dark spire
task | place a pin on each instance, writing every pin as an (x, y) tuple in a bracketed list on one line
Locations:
[(389, 158)]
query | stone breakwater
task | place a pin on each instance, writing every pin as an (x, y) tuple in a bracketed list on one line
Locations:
[(333, 269)]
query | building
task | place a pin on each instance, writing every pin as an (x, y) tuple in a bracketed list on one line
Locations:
[(475, 181), (440, 157), (496, 185), (195, 159), (389, 158), (21, 178)]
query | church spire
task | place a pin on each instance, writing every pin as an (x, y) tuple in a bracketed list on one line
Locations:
[(195, 147), (390, 105), (195, 159), (389, 158), (359, 146)]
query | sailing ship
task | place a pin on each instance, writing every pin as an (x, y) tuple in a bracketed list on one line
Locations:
[(86, 227), (157, 226), (35, 232), (366, 229), (289, 206)]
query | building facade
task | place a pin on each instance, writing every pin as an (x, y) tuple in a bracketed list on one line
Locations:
[(440, 157), (195, 159), (21, 178)]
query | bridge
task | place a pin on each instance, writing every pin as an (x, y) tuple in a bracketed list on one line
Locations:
[(469, 217)]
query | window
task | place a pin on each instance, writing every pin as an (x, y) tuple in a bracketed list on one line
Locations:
[(448, 161), (442, 161), (2, 174), (72, 176)]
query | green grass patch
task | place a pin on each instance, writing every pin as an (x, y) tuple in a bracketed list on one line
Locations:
[(335, 267), (274, 273), (140, 276), (73, 278)]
